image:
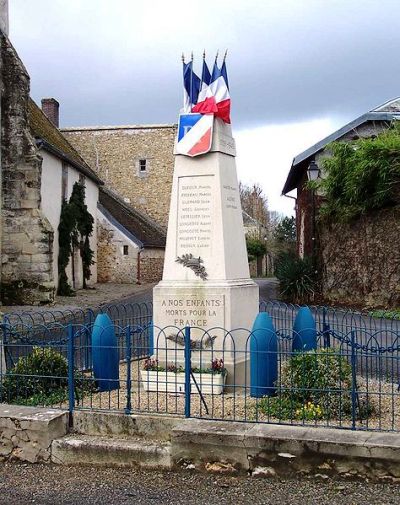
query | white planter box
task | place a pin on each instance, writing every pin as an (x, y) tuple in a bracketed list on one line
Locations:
[(171, 382)]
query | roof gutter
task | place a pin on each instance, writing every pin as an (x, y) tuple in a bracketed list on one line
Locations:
[(43, 144)]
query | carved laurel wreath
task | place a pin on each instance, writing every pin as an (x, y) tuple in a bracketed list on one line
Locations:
[(204, 343), (195, 264)]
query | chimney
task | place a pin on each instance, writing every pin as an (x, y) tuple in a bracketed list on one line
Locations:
[(50, 107)]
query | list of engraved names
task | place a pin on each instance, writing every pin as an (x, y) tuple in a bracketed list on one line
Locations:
[(195, 215)]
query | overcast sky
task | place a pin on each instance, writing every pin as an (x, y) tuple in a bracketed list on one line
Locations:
[(298, 69)]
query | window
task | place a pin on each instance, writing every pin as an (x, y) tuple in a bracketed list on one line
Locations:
[(64, 181), (82, 179), (142, 165), (126, 249)]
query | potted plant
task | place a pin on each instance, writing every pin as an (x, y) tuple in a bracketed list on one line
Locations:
[(171, 379)]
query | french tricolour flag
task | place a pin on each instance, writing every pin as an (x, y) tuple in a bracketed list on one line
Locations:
[(191, 87), (213, 96)]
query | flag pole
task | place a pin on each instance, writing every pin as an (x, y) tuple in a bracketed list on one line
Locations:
[(202, 70), (191, 82)]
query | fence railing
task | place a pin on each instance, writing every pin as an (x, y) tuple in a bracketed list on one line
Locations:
[(350, 380)]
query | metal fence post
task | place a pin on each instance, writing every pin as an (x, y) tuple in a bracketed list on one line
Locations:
[(326, 329), (353, 382), (129, 334), (71, 366), (188, 367)]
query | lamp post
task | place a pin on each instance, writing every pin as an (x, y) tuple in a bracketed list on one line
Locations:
[(313, 173)]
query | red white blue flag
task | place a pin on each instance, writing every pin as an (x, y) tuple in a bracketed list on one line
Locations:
[(194, 134), (214, 97), (203, 99)]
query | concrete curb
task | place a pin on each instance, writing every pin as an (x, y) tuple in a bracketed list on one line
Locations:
[(285, 450), (164, 442)]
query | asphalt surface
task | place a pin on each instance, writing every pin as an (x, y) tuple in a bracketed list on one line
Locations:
[(22, 484)]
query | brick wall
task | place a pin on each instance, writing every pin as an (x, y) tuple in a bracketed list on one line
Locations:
[(115, 153)]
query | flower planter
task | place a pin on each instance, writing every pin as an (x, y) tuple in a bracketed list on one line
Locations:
[(171, 382)]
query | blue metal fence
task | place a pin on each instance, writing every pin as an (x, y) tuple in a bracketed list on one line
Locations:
[(350, 381)]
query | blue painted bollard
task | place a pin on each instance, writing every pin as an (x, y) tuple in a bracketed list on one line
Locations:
[(304, 331), (105, 354), (263, 357)]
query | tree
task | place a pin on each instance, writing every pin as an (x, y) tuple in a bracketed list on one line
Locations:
[(74, 230), (285, 231), (254, 202), (255, 248)]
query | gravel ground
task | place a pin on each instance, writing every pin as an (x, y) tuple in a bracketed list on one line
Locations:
[(22, 484), (384, 397)]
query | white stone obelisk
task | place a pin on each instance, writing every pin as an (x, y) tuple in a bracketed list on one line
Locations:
[(205, 221)]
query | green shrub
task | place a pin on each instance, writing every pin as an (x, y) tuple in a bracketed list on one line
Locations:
[(41, 378), (255, 248), (322, 377), (312, 386), (42, 372), (298, 282), (360, 176), (286, 407)]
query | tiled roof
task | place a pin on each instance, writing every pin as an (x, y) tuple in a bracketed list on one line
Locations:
[(50, 137), (137, 223)]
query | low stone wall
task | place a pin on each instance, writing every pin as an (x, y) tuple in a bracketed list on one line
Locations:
[(151, 265), (166, 442), (361, 260), (26, 433)]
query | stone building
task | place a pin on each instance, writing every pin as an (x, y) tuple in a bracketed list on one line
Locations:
[(130, 245), (34, 155), (360, 262), (135, 161)]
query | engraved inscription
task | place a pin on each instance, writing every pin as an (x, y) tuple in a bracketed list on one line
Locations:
[(190, 310), (194, 215), (231, 195)]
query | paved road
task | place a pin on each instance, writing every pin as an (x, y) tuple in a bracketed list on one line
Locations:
[(268, 291), (54, 485)]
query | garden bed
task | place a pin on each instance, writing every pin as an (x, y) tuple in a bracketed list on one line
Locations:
[(239, 406)]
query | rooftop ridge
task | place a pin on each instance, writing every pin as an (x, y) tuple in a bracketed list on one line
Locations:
[(119, 127)]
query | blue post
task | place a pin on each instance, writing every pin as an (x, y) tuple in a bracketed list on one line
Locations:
[(129, 334), (70, 354), (105, 353), (263, 357), (188, 367), (304, 331), (150, 331), (353, 382)]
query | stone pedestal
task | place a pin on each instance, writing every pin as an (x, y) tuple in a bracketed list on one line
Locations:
[(206, 283)]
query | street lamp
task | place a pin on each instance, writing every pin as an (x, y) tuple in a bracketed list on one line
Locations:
[(313, 171)]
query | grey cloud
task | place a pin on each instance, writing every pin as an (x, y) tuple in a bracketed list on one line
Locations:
[(289, 61)]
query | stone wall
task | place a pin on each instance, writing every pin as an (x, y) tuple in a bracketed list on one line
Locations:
[(26, 433), (114, 152), (361, 261), (151, 265), (112, 264), (27, 236)]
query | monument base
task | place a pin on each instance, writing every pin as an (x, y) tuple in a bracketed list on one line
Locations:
[(220, 315)]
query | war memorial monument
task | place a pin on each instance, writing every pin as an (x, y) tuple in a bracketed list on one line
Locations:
[(206, 282)]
